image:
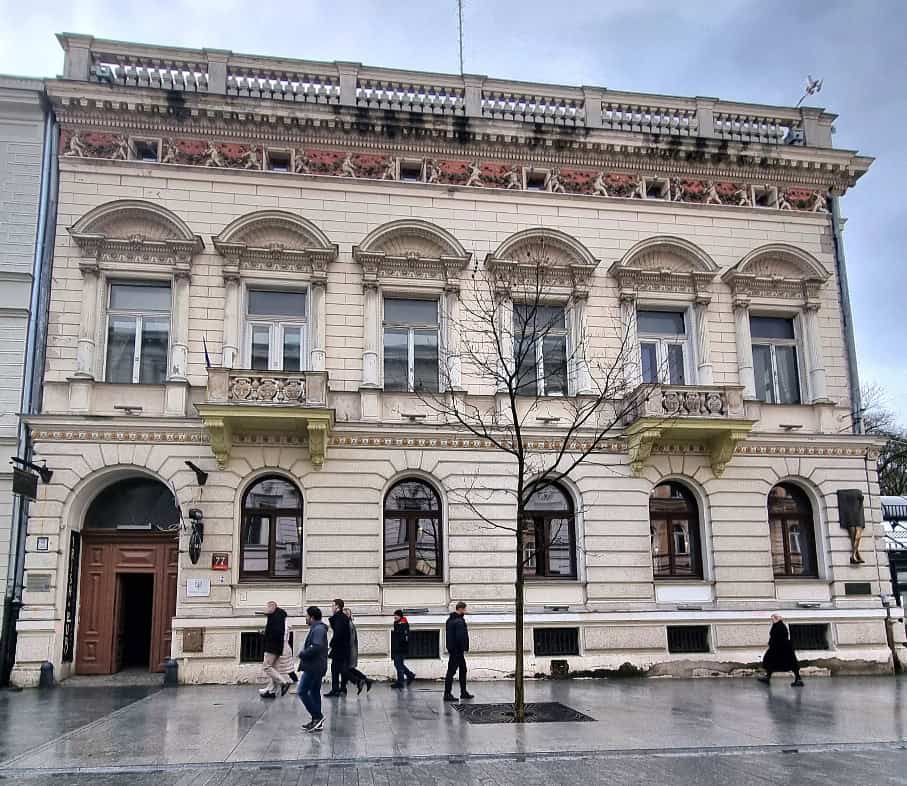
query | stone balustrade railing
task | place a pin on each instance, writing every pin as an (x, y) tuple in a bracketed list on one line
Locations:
[(242, 386), (669, 402), (219, 72)]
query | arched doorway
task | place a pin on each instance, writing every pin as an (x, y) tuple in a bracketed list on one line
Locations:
[(130, 555)]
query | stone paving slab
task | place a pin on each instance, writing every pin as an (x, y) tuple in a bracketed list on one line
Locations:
[(230, 724)]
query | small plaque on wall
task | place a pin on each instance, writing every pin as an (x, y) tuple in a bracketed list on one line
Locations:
[(199, 587), (193, 640), (220, 561)]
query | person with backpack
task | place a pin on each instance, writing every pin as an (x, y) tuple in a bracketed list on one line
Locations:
[(400, 649), (313, 662)]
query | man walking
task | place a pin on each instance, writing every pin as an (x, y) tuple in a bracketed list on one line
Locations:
[(274, 645), (457, 647), (313, 661), (340, 650), (400, 649)]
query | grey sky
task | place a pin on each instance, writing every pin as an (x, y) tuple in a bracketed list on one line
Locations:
[(735, 49)]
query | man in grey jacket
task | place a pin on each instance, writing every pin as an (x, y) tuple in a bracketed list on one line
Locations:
[(313, 661)]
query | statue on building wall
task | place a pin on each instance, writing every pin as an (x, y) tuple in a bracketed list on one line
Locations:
[(742, 197), (783, 201), (251, 159), (432, 171), (553, 182), (639, 188), (347, 168), (474, 175), (121, 151), (712, 197), (821, 203), (850, 514), (169, 152), (513, 179), (213, 157), (390, 169), (598, 186), (75, 148), (675, 190), (300, 163)]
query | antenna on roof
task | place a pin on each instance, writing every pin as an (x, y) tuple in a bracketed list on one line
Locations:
[(813, 86), (460, 17)]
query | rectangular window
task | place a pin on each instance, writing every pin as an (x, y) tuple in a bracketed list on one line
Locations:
[(551, 642), (775, 364), (424, 645), (540, 349), (278, 160), (411, 345), (138, 333), (688, 638), (251, 647), (535, 179), (145, 150), (663, 346), (276, 330), (811, 636), (411, 170)]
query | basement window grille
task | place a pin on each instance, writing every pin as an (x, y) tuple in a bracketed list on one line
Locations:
[(424, 645), (251, 647), (551, 642), (688, 638), (809, 637)]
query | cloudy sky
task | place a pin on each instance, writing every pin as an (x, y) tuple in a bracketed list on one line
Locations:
[(747, 50)]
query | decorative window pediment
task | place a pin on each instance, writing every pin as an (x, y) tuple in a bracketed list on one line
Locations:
[(411, 249), (664, 264), (543, 258), (777, 271), (275, 241), (134, 231)]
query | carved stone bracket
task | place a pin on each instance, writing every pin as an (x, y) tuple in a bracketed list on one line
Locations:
[(722, 447), (640, 444)]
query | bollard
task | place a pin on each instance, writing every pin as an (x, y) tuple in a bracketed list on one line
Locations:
[(171, 673), (46, 680)]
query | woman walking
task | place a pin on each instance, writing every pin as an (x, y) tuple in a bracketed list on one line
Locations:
[(780, 655), (352, 673)]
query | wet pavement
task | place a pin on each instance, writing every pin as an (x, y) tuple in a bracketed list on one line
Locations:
[(848, 730)]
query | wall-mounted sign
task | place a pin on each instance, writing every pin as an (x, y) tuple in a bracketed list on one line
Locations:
[(25, 483), (199, 587), (42, 543), (220, 560)]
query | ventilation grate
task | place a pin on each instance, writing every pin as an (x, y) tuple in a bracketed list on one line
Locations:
[(688, 638), (550, 642), (424, 644), (809, 637), (251, 647)]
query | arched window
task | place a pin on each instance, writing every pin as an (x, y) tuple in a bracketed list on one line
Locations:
[(549, 534), (138, 503), (271, 539), (412, 531), (790, 522), (674, 525)]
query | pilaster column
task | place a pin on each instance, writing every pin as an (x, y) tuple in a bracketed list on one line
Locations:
[(88, 324), (578, 339), (452, 337), (231, 319), (817, 386), (370, 343), (632, 362), (179, 348), (703, 341), (744, 347), (318, 318), (505, 329)]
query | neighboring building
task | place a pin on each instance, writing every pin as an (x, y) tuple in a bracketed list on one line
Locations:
[(303, 228), (894, 520), (23, 121)]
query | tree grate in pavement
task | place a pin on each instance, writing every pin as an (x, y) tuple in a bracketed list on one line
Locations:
[(536, 712)]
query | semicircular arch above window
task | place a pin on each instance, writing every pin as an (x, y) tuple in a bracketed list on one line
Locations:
[(136, 503)]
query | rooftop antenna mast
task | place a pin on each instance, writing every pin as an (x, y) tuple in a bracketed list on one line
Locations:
[(460, 17)]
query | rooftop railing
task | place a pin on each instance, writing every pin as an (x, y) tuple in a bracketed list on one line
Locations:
[(218, 72)]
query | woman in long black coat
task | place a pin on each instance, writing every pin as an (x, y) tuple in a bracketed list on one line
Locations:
[(780, 655)]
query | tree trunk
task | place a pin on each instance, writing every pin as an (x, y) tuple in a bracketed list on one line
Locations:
[(519, 698)]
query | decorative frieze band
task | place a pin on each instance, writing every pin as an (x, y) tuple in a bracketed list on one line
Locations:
[(469, 173)]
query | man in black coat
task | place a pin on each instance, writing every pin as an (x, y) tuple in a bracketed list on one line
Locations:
[(457, 647), (274, 644), (780, 655), (340, 649)]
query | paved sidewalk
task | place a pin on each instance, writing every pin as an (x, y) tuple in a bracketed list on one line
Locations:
[(114, 730)]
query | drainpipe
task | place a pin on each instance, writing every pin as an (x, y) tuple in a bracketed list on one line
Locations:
[(853, 375), (32, 378)]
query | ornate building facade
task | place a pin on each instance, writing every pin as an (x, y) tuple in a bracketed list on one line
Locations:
[(258, 263)]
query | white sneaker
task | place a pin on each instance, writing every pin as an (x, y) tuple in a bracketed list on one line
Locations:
[(265, 692)]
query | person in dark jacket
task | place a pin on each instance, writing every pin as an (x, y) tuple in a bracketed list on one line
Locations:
[(780, 655), (274, 645), (400, 649), (352, 673), (457, 647), (340, 650), (313, 662)]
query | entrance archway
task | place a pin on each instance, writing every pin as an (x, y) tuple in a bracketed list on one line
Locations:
[(130, 555)]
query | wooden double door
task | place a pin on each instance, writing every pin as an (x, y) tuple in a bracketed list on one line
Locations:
[(127, 601)]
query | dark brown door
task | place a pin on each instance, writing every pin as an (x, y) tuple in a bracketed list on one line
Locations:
[(108, 560)]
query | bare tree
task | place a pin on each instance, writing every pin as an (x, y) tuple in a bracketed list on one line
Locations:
[(880, 420), (549, 405)]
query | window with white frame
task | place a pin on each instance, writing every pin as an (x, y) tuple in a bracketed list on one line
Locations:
[(138, 332), (664, 346), (540, 349), (411, 344), (276, 330), (775, 364)]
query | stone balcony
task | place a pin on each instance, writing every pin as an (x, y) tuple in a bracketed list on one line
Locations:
[(712, 416), (246, 402)]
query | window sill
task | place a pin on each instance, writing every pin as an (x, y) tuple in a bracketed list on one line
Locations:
[(552, 580), (684, 580), (802, 580), (438, 582), (264, 582)]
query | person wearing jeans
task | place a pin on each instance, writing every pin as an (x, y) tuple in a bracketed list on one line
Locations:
[(400, 649), (313, 662)]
